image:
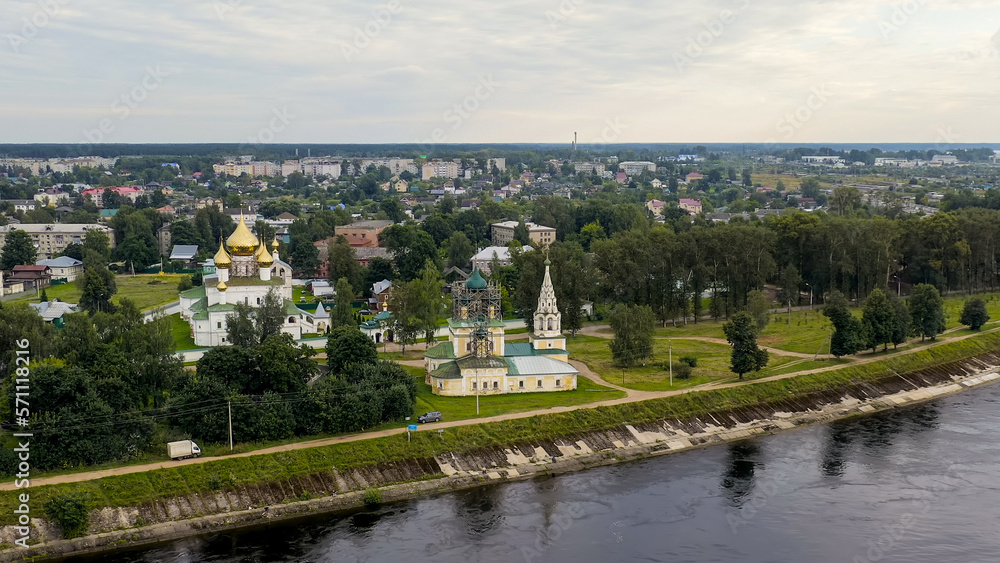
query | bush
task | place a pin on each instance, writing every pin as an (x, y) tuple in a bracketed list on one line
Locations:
[(71, 512), (373, 497), (690, 360), (682, 370), (185, 284)]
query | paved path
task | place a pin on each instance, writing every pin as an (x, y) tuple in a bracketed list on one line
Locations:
[(633, 396)]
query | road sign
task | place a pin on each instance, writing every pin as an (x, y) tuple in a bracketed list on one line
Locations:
[(412, 427)]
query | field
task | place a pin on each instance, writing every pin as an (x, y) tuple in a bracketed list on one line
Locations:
[(713, 363), (146, 291), (182, 333)]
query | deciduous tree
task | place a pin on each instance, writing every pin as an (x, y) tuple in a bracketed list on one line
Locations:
[(974, 314)]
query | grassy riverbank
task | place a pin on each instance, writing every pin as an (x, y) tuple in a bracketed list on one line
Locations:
[(137, 488)]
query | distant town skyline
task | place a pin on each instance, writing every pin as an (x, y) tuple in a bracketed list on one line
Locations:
[(257, 71)]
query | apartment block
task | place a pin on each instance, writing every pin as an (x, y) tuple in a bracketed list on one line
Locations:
[(540, 235), (50, 239)]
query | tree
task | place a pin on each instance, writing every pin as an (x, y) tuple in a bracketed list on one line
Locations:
[(633, 334), (759, 309), (790, 281), (741, 332), (248, 326), (98, 241), (974, 314), (926, 311), (240, 329), (344, 262), (848, 333), (879, 320), (343, 313), (521, 233), (404, 302), (460, 250), (901, 320), (98, 282), (18, 250), (304, 255), (347, 345), (431, 304)]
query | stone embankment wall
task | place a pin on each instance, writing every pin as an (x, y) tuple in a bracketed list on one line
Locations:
[(244, 506)]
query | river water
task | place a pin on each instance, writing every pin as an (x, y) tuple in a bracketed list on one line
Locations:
[(913, 485)]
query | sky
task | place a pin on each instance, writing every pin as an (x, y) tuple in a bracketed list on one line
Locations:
[(430, 71)]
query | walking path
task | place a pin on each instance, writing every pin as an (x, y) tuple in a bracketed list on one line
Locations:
[(632, 396)]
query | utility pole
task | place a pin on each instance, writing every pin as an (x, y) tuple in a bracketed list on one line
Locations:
[(230, 404), (670, 358)]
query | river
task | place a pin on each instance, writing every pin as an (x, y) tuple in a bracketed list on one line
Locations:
[(912, 485)]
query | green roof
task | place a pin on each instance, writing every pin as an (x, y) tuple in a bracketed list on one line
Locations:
[(200, 316), (221, 308), (447, 371), (443, 350), (194, 293), (518, 349), (472, 362), (476, 280)]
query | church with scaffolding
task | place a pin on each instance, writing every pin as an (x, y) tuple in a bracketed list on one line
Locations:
[(477, 359)]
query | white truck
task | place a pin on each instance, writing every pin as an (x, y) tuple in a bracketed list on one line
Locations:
[(183, 449)]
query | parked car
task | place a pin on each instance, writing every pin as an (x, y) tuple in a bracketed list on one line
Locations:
[(433, 416)]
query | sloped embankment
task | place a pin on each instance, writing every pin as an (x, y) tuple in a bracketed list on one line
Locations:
[(343, 486)]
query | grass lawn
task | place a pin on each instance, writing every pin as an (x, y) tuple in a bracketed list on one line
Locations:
[(460, 408), (182, 333), (146, 291), (396, 356), (713, 363)]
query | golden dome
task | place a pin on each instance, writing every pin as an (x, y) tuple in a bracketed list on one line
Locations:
[(242, 242), (222, 259), (274, 243), (222, 286), (263, 258)]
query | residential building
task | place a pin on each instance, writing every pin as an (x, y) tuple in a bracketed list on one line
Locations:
[(633, 168), (51, 197), (477, 360), (396, 166), (33, 277), (63, 268), (50, 239), (589, 167), (363, 233), (54, 311), (693, 176), (692, 206), (656, 206), (483, 260), (440, 169), (131, 193), (24, 205), (164, 239), (503, 233)]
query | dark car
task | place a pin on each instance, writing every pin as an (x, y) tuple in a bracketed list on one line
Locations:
[(433, 416)]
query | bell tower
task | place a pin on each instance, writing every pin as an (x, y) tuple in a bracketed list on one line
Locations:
[(548, 320)]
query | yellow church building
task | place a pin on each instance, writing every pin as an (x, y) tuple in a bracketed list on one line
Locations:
[(477, 360)]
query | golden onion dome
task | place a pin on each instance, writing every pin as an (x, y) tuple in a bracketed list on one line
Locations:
[(222, 286), (222, 259), (274, 243), (242, 242), (263, 258)]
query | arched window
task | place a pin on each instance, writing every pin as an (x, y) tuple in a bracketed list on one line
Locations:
[(291, 320), (258, 300), (551, 324)]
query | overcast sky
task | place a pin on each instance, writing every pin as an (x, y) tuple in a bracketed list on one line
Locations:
[(525, 71)]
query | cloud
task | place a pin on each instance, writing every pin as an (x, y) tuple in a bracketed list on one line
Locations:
[(561, 66)]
